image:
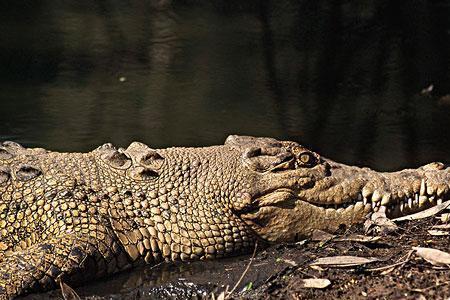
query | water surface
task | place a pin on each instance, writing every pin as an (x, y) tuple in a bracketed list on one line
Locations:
[(342, 77)]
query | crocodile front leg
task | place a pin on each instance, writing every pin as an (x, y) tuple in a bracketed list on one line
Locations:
[(72, 258)]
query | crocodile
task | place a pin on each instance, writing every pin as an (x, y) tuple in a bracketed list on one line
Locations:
[(76, 217)]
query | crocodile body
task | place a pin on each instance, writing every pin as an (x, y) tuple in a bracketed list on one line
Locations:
[(73, 217)]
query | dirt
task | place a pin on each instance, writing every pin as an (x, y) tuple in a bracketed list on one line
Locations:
[(277, 271), (413, 279)]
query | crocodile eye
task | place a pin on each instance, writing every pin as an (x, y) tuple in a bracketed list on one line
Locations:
[(307, 158)]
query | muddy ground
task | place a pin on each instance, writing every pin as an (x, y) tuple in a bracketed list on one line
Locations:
[(278, 271)]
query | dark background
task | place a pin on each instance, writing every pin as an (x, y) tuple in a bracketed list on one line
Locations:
[(342, 77)]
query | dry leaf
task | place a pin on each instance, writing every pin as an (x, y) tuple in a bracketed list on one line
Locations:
[(438, 232), (315, 283), (344, 261), (425, 213), (433, 256)]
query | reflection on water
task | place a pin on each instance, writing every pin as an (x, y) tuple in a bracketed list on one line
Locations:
[(194, 280), (342, 77)]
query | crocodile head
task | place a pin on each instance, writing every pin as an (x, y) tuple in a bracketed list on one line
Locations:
[(295, 190)]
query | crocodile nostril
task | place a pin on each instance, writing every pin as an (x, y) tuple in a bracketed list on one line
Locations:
[(152, 159), (117, 159)]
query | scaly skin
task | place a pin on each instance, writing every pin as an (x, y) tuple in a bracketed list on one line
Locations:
[(73, 217)]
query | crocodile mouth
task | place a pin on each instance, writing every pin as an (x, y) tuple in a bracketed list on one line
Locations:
[(287, 215), (392, 206)]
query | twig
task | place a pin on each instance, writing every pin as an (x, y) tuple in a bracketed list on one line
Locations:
[(67, 292), (157, 265), (245, 271), (401, 263)]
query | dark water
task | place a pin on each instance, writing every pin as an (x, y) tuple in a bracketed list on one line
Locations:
[(342, 77)]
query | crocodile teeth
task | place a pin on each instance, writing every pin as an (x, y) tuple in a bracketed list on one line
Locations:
[(431, 199), (423, 187), (410, 202), (376, 196), (423, 200), (365, 201), (366, 192), (430, 189), (439, 201), (386, 199)]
